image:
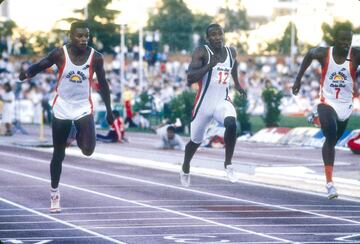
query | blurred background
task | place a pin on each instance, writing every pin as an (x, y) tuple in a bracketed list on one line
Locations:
[(147, 47)]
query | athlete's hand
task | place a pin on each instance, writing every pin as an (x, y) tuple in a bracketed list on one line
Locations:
[(110, 118), (296, 88), (23, 75)]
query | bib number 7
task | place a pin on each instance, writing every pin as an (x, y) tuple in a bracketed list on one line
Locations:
[(337, 89)]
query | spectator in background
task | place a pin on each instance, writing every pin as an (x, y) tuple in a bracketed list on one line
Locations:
[(117, 131), (170, 140), (8, 98)]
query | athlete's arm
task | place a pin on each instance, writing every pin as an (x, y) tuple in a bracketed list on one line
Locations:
[(317, 53), (98, 66), (197, 69), (54, 57), (355, 59), (234, 74)]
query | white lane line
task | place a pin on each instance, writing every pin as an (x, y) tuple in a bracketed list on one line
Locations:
[(330, 207), (149, 206), (168, 218), (186, 189), (60, 221)]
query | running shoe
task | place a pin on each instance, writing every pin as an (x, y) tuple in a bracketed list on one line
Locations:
[(231, 174), (55, 202), (184, 178), (331, 190)]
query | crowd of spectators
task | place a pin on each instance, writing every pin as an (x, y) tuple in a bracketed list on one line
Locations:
[(163, 79)]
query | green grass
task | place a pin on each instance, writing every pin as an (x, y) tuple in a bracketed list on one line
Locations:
[(292, 122)]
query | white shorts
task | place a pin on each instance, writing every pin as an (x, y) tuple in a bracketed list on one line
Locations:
[(343, 110), (71, 111), (204, 116)]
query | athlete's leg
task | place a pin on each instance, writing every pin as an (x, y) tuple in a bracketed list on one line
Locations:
[(85, 136), (225, 114), (190, 150), (60, 132), (229, 138)]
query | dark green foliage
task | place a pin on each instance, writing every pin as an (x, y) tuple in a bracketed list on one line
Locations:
[(283, 45), (181, 106), (174, 21), (101, 23), (143, 102), (243, 117), (272, 101)]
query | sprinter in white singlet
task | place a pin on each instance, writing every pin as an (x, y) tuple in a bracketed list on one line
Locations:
[(76, 62), (337, 89), (213, 67)]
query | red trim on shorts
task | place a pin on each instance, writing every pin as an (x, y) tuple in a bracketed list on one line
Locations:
[(197, 97), (323, 74), (91, 73)]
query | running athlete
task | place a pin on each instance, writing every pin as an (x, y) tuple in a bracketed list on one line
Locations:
[(337, 89), (212, 67), (76, 62)]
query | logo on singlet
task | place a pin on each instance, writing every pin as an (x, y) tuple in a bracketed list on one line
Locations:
[(77, 77), (338, 79)]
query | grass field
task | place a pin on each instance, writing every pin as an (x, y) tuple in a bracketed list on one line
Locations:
[(291, 122)]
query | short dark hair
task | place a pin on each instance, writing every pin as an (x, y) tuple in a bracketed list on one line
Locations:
[(344, 26), (78, 24), (212, 26), (171, 128)]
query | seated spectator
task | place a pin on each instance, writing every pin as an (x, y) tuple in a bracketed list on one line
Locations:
[(354, 144), (117, 131), (170, 140), (140, 121)]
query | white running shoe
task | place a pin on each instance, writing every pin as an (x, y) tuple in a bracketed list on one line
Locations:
[(231, 174), (331, 190), (184, 178), (55, 202)]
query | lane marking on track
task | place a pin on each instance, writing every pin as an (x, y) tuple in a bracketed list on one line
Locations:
[(148, 206), (60, 221), (187, 189)]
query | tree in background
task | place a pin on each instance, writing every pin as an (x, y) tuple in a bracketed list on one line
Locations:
[(6, 32), (233, 19), (181, 107), (173, 19), (101, 20), (283, 45), (272, 100), (241, 105)]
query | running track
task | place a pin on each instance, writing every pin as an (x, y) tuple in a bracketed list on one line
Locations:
[(107, 202)]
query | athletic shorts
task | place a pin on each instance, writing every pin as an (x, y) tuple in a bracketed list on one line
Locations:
[(71, 110), (343, 110), (204, 116)]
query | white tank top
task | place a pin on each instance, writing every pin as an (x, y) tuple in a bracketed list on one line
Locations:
[(337, 80), (214, 86), (74, 80)]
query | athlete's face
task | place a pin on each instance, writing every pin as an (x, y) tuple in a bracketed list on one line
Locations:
[(343, 40), (80, 37), (215, 37)]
